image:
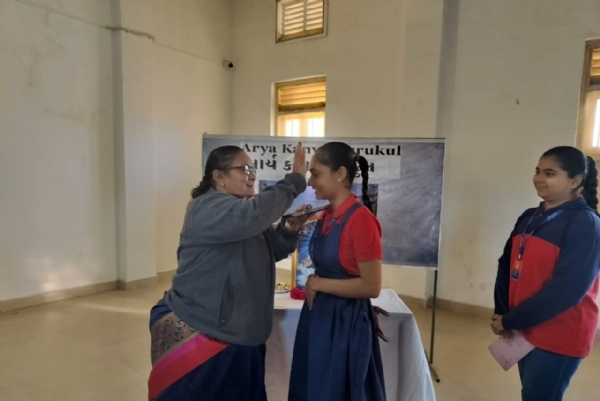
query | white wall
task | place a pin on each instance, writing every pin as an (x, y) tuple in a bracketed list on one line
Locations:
[(358, 44), (192, 95), (513, 94), (94, 123), (510, 78), (57, 208), (381, 60), (134, 142)]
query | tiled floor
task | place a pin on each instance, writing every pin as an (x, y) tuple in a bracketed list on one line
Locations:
[(97, 348)]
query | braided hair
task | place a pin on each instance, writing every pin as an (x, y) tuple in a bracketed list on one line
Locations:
[(590, 184)]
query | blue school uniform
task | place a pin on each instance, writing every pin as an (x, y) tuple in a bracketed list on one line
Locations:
[(336, 351)]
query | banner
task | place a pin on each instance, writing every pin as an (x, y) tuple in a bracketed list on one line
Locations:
[(405, 185)]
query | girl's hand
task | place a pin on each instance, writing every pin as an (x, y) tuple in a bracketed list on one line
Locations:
[(497, 327), (311, 293), (379, 311)]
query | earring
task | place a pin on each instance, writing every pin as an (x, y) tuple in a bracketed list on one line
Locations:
[(222, 184)]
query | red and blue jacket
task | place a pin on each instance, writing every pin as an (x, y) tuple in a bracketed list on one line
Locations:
[(547, 281)]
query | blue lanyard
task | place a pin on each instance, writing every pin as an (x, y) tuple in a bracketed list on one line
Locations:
[(523, 242)]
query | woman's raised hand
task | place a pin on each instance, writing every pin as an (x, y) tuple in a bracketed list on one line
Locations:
[(300, 160)]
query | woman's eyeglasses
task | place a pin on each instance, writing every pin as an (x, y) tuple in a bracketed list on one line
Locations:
[(246, 169)]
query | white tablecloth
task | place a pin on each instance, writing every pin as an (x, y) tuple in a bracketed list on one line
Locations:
[(407, 376)]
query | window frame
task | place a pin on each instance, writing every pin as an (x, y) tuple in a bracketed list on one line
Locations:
[(300, 36), (300, 110), (587, 88)]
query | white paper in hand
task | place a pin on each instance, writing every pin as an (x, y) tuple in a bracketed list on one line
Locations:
[(508, 352)]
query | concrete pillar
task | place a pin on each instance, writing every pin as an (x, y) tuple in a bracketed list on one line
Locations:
[(134, 144)]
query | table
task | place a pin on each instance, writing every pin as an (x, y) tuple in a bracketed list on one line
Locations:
[(406, 371)]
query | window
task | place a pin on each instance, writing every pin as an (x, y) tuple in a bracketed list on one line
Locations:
[(301, 108), (589, 110), (300, 19)]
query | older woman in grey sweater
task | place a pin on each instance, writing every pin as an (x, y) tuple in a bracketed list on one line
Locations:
[(209, 331)]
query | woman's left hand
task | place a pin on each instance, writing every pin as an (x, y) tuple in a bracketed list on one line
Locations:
[(311, 292), (296, 223), (497, 324)]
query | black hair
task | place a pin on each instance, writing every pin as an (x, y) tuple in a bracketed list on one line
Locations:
[(218, 159), (575, 162), (590, 185), (336, 155)]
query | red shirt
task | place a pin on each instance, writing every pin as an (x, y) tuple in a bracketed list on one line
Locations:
[(361, 237)]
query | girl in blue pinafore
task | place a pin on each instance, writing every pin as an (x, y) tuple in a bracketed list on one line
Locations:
[(336, 352)]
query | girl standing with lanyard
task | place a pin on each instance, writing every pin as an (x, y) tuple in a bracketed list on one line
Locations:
[(336, 352), (547, 280)]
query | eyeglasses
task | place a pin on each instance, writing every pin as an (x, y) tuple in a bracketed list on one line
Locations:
[(246, 169)]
